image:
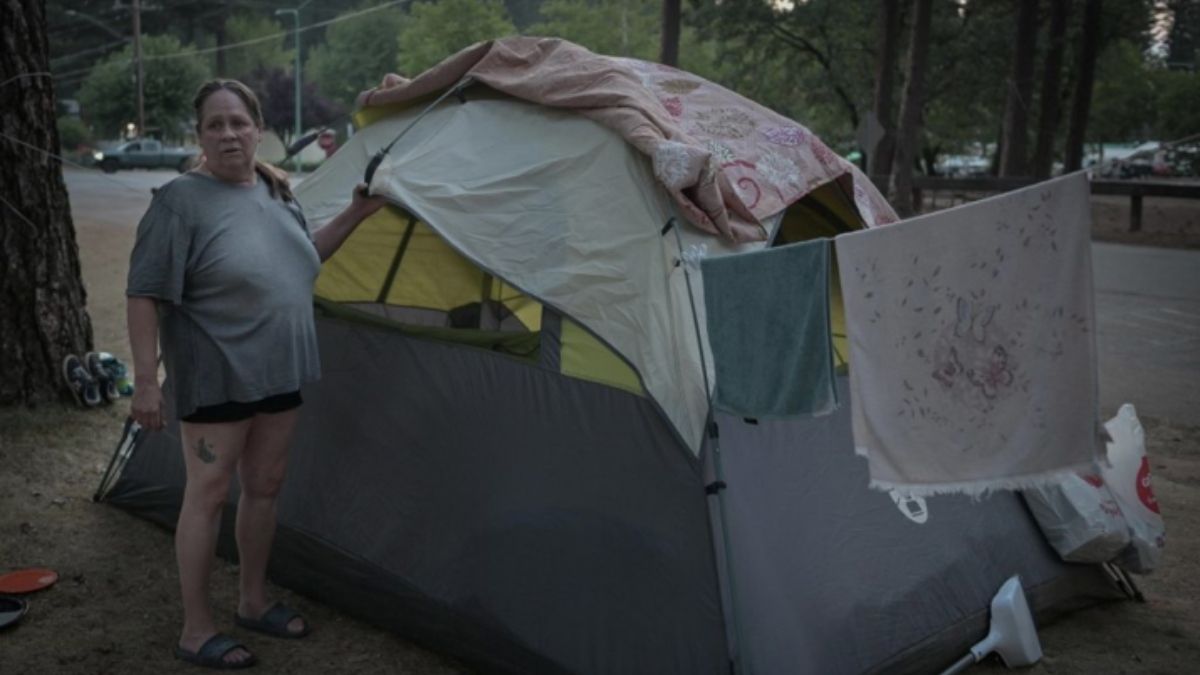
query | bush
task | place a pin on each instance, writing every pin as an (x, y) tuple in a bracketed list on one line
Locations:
[(72, 133)]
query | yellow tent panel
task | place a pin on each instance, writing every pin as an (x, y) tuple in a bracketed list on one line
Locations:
[(825, 212), (585, 357)]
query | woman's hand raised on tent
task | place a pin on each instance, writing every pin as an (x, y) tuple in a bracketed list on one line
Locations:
[(363, 204), (329, 239)]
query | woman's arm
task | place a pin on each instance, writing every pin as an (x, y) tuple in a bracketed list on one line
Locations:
[(142, 321), (329, 238)]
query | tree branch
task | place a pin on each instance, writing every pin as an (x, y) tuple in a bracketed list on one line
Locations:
[(803, 44)]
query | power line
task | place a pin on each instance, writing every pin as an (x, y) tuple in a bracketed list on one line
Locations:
[(85, 52), (14, 78), (60, 158), (18, 212), (236, 45)]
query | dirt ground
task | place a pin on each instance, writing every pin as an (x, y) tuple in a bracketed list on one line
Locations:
[(115, 607)]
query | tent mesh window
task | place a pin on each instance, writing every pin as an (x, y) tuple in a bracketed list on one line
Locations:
[(397, 272)]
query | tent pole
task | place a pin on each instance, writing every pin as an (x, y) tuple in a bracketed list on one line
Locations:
[(713, 434), (386, 289), (377, 159)]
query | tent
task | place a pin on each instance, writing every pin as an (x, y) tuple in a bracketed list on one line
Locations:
[(505, 459)]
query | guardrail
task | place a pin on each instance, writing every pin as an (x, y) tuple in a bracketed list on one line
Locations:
[(1136, 189)]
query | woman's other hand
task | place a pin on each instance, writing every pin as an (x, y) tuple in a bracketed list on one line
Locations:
[(147, 404)]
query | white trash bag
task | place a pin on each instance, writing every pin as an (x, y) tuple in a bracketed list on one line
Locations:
[(1129, 479), (1080, 518)]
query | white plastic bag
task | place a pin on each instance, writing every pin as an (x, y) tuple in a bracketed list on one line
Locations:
[(1080, 518), (1129, 478)]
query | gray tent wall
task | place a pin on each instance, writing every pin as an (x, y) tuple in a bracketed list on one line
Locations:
[(832, 577), (523, 521), (485, 506)]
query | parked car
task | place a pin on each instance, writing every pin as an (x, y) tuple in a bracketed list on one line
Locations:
[(145, 153)]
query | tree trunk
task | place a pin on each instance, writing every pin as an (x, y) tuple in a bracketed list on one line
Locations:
[(885, 83), (1043, 154), (42, 315), (907, 139), (669, 53), (1014, 159), (1082, 105)]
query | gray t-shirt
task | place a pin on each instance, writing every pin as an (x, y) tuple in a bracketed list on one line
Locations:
[(233, 269)]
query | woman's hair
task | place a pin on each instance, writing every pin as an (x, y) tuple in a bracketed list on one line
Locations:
[(276, 179)]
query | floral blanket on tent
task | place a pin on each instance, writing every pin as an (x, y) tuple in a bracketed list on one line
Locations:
[(728, 162)]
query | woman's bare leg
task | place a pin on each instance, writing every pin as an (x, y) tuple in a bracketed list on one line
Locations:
[(261, 470), (210, 453)]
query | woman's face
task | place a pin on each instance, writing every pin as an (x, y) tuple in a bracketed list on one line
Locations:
[(228, 136)]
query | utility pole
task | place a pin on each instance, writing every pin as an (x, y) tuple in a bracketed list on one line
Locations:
[(296, 75), (137, 60)]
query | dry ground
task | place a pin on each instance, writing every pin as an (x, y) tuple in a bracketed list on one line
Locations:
[(115, 608)]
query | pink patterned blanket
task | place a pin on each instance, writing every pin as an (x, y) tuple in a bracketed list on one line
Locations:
[(728, 162)]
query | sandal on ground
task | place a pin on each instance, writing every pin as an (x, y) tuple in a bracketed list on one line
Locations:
[(212, 654), (83, 385), (274, 622)]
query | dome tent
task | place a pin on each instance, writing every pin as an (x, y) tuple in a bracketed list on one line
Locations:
[(506, 459)]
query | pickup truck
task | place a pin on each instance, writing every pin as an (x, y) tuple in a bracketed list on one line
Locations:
[(145, 153)]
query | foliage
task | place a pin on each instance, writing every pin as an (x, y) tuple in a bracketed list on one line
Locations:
[(276, 91), (72, 133), (1183, 40), (590, 23), (108, 95), (812, 62), (1178, 104), (435, 30), (613, 27), (524, 12), (1122, 102), (968, 69), (356, 55), (242, 61)]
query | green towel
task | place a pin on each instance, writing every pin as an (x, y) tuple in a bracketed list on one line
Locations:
[(768, 327)]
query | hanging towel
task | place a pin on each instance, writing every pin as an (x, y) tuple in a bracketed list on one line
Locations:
[(768, 327), (972, 343)]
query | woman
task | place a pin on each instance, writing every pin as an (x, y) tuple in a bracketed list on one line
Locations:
[(222, 270)]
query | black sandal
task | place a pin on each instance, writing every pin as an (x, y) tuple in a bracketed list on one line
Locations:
[(212, 654), (274, 622)]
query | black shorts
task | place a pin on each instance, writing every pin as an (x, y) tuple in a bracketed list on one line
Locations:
[(236, 411)]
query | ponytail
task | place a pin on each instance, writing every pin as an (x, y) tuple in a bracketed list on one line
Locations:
[(277, 180)]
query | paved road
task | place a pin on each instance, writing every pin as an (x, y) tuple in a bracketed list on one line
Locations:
[(1148, 313), (1147, 302), (117, 199)]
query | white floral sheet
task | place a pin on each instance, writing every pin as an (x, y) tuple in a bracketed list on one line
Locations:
[(972, 343)]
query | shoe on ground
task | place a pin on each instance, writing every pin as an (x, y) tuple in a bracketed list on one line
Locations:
[(83, 386), (212, 654), (106, 383), (118, 372)]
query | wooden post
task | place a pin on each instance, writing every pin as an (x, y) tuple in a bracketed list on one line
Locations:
[(1135, 212)]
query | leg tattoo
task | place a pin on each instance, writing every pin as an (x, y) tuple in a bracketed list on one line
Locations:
[(204, 451)]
